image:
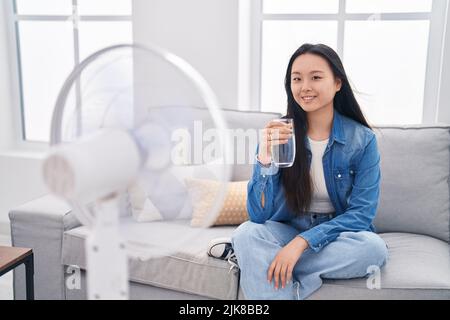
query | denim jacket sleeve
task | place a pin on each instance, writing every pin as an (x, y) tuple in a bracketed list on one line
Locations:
[(264, 180), (362, 205)]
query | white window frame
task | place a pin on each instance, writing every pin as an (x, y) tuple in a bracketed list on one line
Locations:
[(13, 20), (251, 18)]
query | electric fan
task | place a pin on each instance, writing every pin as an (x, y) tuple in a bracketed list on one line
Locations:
[(132, 117)]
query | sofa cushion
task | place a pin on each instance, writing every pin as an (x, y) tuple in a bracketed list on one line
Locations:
[(418, 267), (415, 193), (169, 255), (416, 262)]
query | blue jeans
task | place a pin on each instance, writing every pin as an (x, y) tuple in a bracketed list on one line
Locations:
[(256, 245)]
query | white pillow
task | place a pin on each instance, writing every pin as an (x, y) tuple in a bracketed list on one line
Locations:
[(142, 209)]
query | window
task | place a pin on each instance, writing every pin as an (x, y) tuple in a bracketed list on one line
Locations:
[(391, 51), (52, 37)]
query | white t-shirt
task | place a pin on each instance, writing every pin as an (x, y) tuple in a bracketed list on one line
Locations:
[(320, 200)]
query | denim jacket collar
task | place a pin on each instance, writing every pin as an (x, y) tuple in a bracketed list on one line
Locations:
[(337, 133)]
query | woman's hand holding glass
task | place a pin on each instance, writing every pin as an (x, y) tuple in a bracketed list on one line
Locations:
[(275, 133)]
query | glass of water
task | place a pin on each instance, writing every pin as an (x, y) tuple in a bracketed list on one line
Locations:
[(283, 155)]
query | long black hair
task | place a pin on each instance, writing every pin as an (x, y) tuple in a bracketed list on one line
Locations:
[(296, 180)]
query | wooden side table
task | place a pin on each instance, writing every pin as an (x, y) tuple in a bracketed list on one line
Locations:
[(12, 257)]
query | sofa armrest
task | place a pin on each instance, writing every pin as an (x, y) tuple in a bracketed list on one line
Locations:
[(40, 224)]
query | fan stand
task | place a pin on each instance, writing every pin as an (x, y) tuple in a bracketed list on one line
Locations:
[(106, 256)]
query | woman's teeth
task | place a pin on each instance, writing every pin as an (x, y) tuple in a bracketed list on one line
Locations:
[(308, 99)]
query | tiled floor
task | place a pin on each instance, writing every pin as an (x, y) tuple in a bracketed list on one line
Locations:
[(6, 289)]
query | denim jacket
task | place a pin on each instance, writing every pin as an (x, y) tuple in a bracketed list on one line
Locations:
[(351, 165)]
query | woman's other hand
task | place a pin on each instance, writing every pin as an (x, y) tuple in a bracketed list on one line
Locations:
[(282, 266)]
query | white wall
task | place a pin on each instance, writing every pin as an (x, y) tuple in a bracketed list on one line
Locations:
[(203, 32)]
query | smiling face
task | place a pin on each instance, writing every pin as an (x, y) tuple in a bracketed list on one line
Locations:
[(313, 83)]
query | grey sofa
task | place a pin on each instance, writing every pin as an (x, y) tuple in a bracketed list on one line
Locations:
[(413, 218)]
